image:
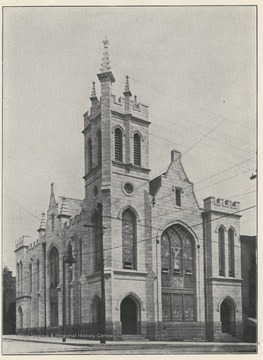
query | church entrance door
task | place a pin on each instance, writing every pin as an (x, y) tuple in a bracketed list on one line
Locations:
[(227, 317), (129, 316)]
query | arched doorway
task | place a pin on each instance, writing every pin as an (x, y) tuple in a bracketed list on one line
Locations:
[(227, 317), (130, 312)]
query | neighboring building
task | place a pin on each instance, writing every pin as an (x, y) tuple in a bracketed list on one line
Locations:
[(9, 304), (249, 286), (172, 269)]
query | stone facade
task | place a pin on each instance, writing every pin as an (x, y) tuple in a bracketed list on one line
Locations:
[(162, 259)]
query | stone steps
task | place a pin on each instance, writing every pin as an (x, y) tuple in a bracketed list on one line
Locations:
[(228, 338), (135, 337)]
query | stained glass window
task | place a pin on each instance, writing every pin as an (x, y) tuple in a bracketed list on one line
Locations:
[(165, 254), (178, 274), (188, 307), (177, 307), (129, 239), (166, 302), (176, 245)]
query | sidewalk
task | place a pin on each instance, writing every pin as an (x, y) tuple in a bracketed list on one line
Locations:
[(121, 343)]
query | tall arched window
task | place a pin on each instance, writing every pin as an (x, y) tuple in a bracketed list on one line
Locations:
[(137, 149), (80, 256), (18, 279), (21, 277), (97, 238), (20, 318), (99, 148), (53, 281), (221, 251), (128, 240), (231, 253), (118, 144), (30, 278), (70, 269), (38, 268), (90, 154), (178, 274)]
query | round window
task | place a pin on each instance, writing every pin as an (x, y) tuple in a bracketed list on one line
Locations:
[(128, 188), (95, 191)]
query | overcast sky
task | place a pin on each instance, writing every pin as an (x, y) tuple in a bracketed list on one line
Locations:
[(194, 66)]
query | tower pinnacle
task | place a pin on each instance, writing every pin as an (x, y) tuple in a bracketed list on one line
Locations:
[(93, 91), (127, 87), (105, 72), (106, 59)]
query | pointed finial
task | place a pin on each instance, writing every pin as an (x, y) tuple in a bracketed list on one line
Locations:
[(106, 42), (93, 91), (127, 85), (106, 59), (127, 91), (52, 200)]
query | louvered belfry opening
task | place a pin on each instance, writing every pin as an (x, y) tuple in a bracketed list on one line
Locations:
[(118, 144), (137, 149)]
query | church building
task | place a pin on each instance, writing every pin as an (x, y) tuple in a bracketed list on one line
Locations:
[(171, 269)]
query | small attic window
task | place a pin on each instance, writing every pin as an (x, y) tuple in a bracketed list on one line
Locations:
[(178, 197)]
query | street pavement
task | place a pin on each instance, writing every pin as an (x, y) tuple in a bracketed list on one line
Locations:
[(18, 345)]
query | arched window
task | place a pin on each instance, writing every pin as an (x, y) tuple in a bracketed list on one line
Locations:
[(53, 281), (21, 277), (30, 278), (38, 282), (137, 149), (80, 256), (90, 154), (18, 279), (231, 253), (97, 238), (99, 148), (70, 256), (118, 144), (128, 240), (178, 274), (20, 318), (221, 251)]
